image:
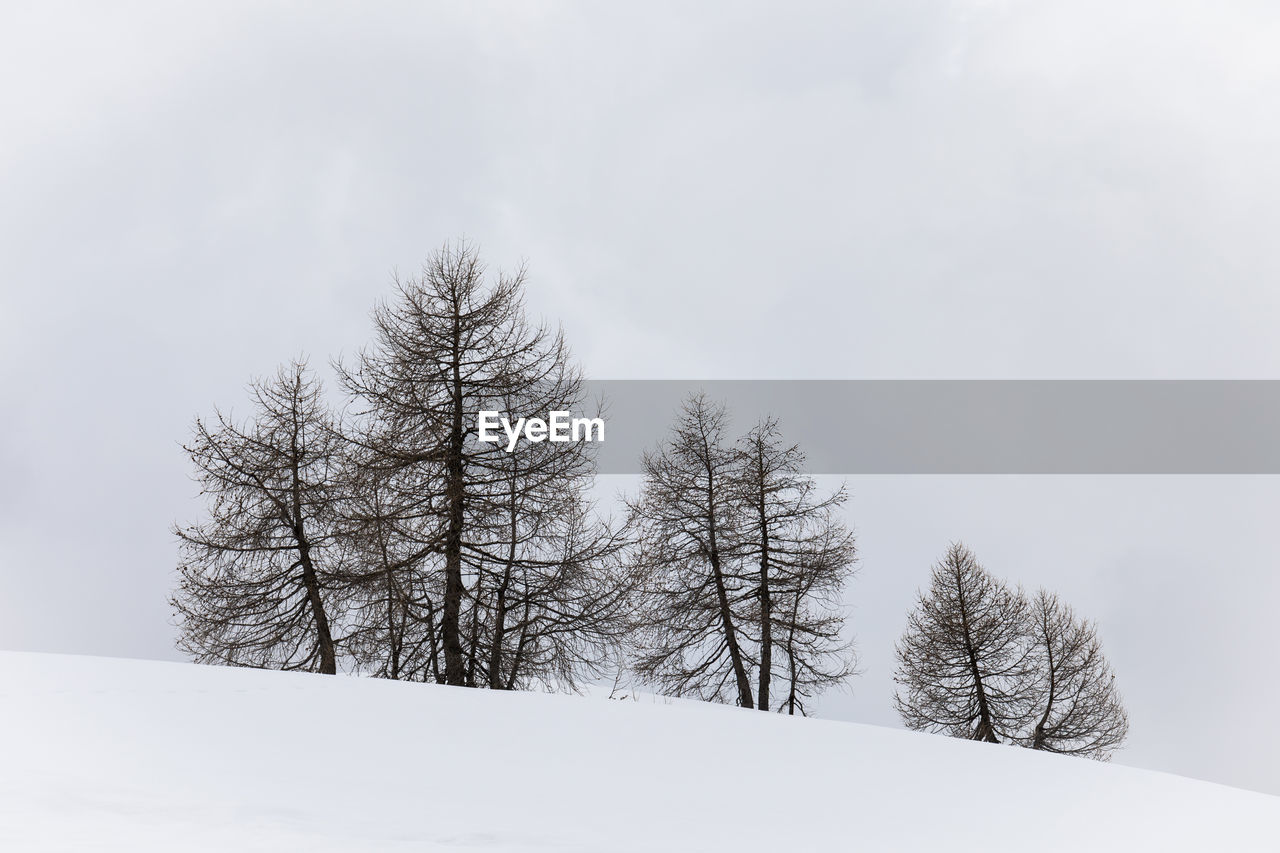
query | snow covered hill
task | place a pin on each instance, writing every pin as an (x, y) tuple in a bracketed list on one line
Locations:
[(104, 754)]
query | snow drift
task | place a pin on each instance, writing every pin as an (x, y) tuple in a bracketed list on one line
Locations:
[(105, 754)]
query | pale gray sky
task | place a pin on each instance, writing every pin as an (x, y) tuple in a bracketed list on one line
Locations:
[(191, 194)]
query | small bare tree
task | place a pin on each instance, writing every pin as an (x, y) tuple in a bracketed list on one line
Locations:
[(255, 577), (560, 610), (964, 667), (797, 559), (1080, 708)]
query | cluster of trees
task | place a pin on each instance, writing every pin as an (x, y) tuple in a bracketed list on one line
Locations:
[(983, 661), (744, 562), (386, 539)]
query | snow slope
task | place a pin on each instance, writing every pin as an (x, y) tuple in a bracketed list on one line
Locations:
[(105, 754)]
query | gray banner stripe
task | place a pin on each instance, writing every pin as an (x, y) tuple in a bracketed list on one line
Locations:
[(978, 426)]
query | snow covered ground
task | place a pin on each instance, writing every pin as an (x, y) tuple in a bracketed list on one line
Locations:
[(105, 754)]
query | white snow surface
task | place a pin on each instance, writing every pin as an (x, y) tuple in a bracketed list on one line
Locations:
[(123, 755)]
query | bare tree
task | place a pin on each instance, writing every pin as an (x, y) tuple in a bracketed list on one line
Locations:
[(797, 558), (745, 561), (502, 540), (964, 667), (255, 577), (548, 605), (687, 522), (1080, 708), (560, 611)]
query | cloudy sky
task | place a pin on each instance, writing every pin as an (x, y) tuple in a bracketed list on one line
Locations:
[(191, 194)]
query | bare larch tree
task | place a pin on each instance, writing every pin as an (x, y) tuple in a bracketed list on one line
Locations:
[(744, 563), (1080, 711), (686, 522), (547, 597), (964, 667), (496, 537), (255, 576), (797, 557), (550, 605)]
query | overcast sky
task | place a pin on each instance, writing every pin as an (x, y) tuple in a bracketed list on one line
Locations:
[(190, 195)]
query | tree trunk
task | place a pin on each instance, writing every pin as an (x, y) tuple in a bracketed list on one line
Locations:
[(433, 650), (328, 660), (791, 655), (393, 636), (985, 731), (766, 608), (722, 596), (518, 658), (324, 639), (500, 606), (726, 618), (499, 630), (1038, 738), (454, 670)]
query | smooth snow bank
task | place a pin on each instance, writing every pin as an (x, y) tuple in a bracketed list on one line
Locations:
[(105, 754)]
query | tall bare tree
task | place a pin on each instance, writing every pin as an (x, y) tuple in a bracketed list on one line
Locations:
[(687, 524), (498, 534), (1080, 711), (964, 667), (797, 557), (255, 577)]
